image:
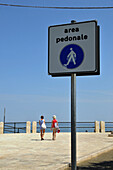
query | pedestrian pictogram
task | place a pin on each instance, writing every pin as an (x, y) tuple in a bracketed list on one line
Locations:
[(71, 56)]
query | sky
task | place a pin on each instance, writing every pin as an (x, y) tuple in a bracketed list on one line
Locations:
[(26, 89)]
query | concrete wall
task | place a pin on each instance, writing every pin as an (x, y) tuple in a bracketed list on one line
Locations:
[(1, 127), (102, 126), (28, 127), (34, 127), (97, 128)]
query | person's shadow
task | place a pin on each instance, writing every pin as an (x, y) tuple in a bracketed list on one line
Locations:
[(40, 139)]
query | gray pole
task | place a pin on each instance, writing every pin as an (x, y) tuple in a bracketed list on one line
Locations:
[(73, 122), (73, 118)]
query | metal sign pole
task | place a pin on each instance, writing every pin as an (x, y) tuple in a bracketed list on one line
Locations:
[(73, 122)]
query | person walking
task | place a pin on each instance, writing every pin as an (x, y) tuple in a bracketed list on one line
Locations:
[(54, 126), (42, 127)]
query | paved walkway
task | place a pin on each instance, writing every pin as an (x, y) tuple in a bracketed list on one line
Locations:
[(28, 152)]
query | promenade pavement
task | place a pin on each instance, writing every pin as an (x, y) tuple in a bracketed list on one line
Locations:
[(28, 152)]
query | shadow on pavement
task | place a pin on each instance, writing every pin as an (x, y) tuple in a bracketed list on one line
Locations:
[(40, 140), (99, 166)]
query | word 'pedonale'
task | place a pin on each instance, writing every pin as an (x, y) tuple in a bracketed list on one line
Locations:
[(72, 38)]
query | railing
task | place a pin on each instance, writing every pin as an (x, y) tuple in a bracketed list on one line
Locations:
[(15, 127), (108, 126), (66, 126), (20, 127)]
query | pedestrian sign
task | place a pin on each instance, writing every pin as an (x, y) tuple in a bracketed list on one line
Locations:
[(71, 56), (73, 48)]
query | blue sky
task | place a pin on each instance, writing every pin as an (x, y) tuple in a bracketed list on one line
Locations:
[(26, 89)]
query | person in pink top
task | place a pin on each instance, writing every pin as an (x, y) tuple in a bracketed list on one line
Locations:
[(54, 126)]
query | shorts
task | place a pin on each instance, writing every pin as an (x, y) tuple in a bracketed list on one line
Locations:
[(42, 128), (55, 129)]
